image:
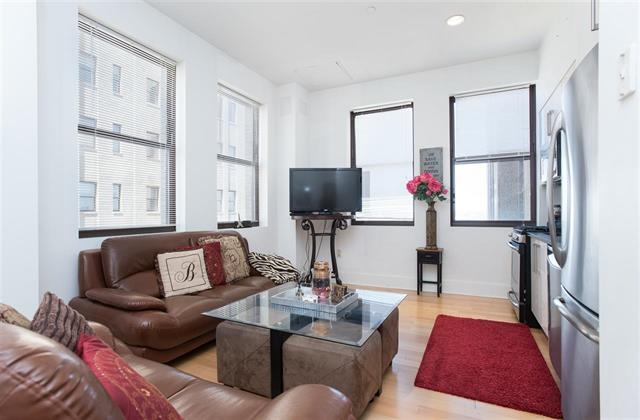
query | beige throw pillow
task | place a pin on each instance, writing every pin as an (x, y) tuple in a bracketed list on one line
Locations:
[(10, 315), (182, 272), (234, 259)]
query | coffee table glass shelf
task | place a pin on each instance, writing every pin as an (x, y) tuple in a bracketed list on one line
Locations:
[(352, 325)]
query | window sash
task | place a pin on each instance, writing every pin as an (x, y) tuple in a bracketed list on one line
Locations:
[(524, 156), (231, 155), (363, 219), (167, 196)]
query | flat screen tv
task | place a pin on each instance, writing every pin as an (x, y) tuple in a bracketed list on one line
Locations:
[(325, 190)]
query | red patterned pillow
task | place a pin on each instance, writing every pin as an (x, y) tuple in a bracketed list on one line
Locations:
[(134, 395), (212, 261)]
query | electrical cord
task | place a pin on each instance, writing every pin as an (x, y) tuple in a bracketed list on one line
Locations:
[(324, 229)]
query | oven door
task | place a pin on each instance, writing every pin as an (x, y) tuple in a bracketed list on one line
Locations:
[(516, 260)]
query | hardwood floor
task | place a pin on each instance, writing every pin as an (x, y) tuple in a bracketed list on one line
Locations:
[(400, 399)]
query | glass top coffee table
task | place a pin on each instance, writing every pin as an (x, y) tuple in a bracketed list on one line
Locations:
[(352, 326)]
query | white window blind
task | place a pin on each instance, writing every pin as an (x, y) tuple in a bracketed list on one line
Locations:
[(126, 105), (238, 163), (382, 145), (491, 168)]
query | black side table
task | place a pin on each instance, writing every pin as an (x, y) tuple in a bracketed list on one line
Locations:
[(430, 256)]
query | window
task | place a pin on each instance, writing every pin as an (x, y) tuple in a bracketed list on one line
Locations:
[(237, 171), (153, 193), (85, 142), (148, 185), (117, 129), (232, 203), (85, 121), (492, 150), (116, 197), (152, 92), (87, 196), (382, 145), (87, 69), (152, 152), (115, 79)]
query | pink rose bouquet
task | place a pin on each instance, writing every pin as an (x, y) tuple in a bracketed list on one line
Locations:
[(425, 187)]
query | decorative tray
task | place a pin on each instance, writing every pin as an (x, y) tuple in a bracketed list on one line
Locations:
[(288, 298)]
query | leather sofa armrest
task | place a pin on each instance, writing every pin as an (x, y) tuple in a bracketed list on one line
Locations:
[(104, 333), (123, 299), (309, 402)]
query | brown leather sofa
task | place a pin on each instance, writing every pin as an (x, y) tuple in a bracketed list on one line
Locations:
[(41, 379), (119, 288)]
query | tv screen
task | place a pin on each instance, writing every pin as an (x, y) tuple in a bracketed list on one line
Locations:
[(325, 190)]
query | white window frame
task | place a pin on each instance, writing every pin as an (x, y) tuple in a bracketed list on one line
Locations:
[(232, 159)]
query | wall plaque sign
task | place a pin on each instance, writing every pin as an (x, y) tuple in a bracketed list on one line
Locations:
[(431, 161)]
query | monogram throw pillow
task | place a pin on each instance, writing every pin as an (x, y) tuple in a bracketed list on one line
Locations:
[(182, 272), (234, 258)]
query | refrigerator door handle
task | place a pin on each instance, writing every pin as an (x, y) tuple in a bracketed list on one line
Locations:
[(552, 261), (586, 330), (559, 252)]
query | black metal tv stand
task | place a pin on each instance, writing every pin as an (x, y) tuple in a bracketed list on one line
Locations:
[(339, 221)]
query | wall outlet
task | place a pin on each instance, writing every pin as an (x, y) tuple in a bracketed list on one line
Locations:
[(339, 253), (627, 72)]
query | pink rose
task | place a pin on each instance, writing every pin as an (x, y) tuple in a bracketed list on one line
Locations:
[(428, 193), (416, 179), (426, 177), (434, 185), (412, 187), (445, 191)]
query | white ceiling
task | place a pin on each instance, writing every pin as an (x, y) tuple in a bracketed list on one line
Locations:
[(327, 44)]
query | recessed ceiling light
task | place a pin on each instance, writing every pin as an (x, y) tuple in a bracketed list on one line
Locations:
[(371, 9), (455, 20)]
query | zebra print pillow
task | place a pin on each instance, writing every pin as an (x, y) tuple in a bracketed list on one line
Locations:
[(275, 268)]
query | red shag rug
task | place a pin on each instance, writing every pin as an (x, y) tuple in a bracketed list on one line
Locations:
[(494, 362)]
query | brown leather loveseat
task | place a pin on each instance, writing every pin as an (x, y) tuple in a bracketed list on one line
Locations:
[(41, 379), (119, 288)]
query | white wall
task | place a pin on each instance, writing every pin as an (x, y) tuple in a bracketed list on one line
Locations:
[(19, 157), (619, 234), (476, 260), (40, 211)]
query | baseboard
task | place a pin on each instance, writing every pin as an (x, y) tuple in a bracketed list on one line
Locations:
[(454, 286)]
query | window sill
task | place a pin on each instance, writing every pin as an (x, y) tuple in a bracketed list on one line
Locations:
[(381, 223), (490, 223), (234, 225), (97, 233)]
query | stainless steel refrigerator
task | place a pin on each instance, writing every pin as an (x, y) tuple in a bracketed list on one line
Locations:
[(574, 143)]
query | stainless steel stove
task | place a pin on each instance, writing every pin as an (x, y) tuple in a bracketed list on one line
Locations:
[(520, 293)]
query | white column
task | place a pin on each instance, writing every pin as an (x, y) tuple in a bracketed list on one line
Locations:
[(19, 157), (292, 133), (619, 175)]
